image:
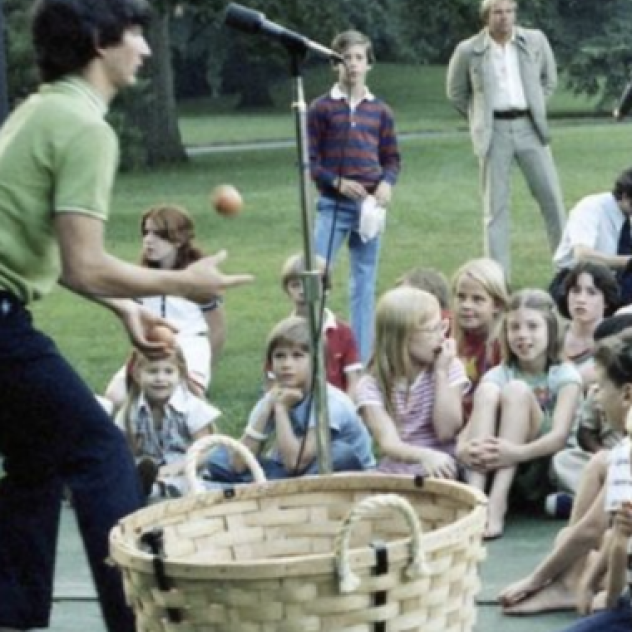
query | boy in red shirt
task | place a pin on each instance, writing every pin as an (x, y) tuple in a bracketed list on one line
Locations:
[(342, 362)]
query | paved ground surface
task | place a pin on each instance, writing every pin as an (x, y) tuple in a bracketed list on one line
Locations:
[(526, 540)]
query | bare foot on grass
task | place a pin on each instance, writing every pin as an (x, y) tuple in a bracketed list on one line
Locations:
[(518, 591), (553, 597)]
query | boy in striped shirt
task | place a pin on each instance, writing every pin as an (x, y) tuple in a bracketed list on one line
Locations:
[(353, 155)]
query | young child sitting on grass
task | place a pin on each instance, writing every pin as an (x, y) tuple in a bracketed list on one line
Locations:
[(168, 243), (523, 410), (567, 578), (281, 430), (479, 298), (594, 433), (589, 293), (342, 362), (161, 418), (411, 397), (431, 281)]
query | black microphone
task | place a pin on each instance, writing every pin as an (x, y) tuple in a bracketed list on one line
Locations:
[(253, 22)]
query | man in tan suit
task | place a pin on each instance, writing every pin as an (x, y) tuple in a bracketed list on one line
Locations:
[(500, 79)]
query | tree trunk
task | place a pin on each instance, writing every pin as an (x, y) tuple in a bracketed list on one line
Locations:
[(155, 114)]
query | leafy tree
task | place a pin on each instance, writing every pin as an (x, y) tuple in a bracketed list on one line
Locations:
[(144, 118), (22, 76), (248, 65), (590, 39), (258, 61), (429, 31), (592, 45), (147, 120)]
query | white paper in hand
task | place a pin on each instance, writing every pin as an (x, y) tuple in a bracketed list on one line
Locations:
[(372, 218)]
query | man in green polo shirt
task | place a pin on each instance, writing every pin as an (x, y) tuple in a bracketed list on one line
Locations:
[(57, 163)]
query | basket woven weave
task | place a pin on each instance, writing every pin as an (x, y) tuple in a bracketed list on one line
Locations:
[(342, 553)]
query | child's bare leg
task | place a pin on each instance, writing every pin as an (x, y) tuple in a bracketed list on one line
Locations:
[(520, 420), (482, 425), (497, 505), (560, 594), (553, 584), (532, 595), (590, 484)]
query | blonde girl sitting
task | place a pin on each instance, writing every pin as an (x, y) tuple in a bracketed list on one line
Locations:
[(161, 418), (523, 409), (411, 397), (479, 298)]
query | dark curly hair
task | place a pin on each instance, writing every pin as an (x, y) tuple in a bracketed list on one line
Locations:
[(603, 279)]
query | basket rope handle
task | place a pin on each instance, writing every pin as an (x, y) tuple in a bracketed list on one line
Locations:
[(349, 581), (203, 445)]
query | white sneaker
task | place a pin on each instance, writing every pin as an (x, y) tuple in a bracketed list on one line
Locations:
[(559, 505)]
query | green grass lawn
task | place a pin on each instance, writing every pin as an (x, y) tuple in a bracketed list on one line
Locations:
[(435, 221), (416, 93)]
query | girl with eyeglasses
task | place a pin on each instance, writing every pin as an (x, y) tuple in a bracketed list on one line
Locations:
[(411, 397)]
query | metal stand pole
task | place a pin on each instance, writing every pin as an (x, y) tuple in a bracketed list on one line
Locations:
[(312, 280)]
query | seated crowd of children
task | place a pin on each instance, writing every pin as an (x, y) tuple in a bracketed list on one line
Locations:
[(466, 381)]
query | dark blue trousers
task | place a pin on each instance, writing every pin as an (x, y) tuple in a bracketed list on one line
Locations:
[(618, 619), (53, 433)]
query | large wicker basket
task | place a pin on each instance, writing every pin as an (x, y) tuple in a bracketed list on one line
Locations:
[(342, 553)]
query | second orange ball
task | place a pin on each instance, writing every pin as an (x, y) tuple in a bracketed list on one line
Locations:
[(226, 200)]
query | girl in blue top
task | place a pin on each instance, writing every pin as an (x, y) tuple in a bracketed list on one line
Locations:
[(523, 408)]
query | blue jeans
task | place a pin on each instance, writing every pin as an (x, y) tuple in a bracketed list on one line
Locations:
[(343, 459), (54, 433), (618, 619), (363, 262)]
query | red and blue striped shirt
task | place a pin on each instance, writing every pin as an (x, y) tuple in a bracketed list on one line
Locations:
[(355, 143)]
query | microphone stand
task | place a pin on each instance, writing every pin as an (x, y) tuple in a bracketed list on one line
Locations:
[(312, 278)]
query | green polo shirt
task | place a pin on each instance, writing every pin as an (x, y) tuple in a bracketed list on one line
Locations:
[(57, 155)]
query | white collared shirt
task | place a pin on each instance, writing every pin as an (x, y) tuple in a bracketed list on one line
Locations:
[(594, 222), (338, 93), (508, 93)]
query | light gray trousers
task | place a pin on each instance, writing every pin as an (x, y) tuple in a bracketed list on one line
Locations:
[(516, 140)]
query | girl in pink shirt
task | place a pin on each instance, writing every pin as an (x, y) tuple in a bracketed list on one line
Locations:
[(411, 397)]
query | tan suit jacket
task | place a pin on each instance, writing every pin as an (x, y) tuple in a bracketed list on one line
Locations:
[(470, 83)]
